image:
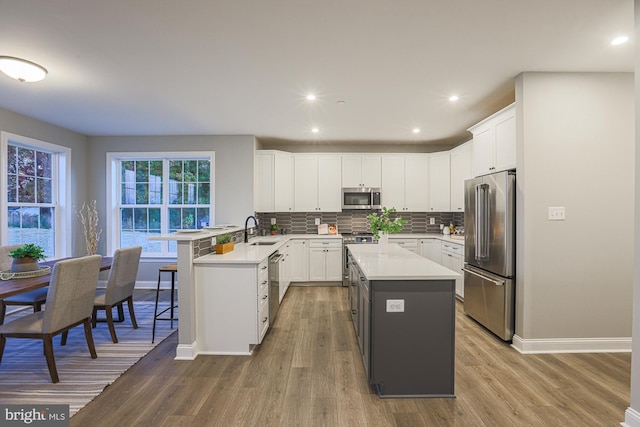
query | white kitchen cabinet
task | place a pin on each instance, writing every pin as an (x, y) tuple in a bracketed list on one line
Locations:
[(299, 260), (273, 181), (325, 260), (461, 170), (285, 270), (453, 259), (439, 189), (361, 171), (494, 142), (430, 249), (407, 243), (317, 183), (404, 182)]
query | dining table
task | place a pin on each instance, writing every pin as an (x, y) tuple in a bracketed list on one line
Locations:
[(17, 286)]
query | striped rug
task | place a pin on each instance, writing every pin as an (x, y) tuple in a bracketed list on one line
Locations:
[(24, 377)]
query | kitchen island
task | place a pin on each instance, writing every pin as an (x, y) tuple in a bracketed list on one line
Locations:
[(403, 307)]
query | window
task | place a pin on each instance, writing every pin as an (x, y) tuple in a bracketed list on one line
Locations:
[(35, 194), (159, 195)]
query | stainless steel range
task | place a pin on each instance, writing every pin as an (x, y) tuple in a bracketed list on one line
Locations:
[(350, 239)]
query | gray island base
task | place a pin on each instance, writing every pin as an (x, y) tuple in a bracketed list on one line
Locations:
[(403, 307)]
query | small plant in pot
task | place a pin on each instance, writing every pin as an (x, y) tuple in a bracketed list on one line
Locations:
[(224, 243), (274, 229), (25, 258), (382, 225)]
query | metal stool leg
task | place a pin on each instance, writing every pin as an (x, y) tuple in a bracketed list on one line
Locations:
[(155, 312), (173, 288)]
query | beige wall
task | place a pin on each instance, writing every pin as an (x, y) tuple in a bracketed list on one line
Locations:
[(25, 126), (575, 149)]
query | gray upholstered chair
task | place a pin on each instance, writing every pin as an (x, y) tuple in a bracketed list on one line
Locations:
[(69, 304), (33, 298), (122, 280)]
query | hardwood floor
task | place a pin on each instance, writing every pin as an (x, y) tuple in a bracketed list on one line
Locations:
[(308, 372)]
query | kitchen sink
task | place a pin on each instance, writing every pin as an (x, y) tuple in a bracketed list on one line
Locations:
[(262, 243)]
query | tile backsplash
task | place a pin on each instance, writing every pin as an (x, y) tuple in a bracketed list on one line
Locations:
[(350, 221)]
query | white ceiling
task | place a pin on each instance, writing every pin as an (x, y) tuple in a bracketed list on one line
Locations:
[(166, 67)]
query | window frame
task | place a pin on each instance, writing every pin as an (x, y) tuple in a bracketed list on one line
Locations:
[(113, 198), (61, 189)]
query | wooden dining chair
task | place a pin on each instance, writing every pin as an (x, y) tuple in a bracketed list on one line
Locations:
[(69, 304), (122, 280), (33, 298)]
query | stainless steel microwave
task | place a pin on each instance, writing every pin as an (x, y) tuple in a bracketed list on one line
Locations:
[(361, 198)]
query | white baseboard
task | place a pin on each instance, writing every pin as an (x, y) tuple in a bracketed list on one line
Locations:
[(631, 418), (187, 351), (572, 345)]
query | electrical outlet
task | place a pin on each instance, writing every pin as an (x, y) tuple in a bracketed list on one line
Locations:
[(432, 221), (317, 221), (556, 213), (273, 221), (395, 306)]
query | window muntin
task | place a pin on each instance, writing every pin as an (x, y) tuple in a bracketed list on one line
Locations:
[(159, 196)]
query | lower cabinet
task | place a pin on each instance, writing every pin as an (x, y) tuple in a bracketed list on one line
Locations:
[(453, 259), (325, 260), (298, 260), (408, 244), (431, 249)]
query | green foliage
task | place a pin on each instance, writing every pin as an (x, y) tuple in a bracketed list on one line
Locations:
[(28, 251), (188, 221), (221, 239), (275, 227), (383, 222)]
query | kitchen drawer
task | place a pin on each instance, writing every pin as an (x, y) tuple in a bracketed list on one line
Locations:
[(263, 273), (326, 244), (409, 244), (263, 297), (263, 322), (452, 248)]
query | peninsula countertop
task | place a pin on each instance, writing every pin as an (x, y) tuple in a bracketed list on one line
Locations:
[(397, 264)]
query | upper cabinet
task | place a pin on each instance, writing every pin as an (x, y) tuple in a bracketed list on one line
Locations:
[(317, 183), (361, 170), (273, 181), (494, 142), (461, 169), (439, 182), (405, 181)]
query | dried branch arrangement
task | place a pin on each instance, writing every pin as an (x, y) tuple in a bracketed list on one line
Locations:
[(88, 215)]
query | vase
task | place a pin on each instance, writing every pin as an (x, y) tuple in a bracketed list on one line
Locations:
[(383, 242), (20, 265)]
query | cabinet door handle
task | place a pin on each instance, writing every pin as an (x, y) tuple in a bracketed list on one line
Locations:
[(265, 297), (264, 268), (264, 282), (265, 320)]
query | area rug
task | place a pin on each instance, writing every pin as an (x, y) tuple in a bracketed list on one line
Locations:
[(24, 376)]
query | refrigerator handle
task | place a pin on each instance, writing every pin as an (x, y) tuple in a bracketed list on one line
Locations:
[(482, 222), (497, 282)]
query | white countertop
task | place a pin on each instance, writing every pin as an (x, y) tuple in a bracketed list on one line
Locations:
[(197, 234), (246, 253), (397, 264)]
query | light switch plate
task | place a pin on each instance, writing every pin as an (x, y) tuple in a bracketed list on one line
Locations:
[(395, 306), (557, 213), (432, 221), (317, 221), (273, 221)]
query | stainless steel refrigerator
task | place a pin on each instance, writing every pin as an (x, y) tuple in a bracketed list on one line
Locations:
[(489, 258)]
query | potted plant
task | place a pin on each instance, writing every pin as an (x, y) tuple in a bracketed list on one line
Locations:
[(382, 225), (25, 258), (224, 243), (274, 229)]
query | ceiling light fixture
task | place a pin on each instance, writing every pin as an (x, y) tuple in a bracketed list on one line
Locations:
[(311, 97), (315, 130), (21, 69), (416, 130), (453, 98), (619, 40)]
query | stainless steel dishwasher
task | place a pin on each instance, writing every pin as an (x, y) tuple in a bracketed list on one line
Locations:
[(275, 260)]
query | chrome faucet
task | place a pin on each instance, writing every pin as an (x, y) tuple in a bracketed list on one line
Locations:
[(246, 222)]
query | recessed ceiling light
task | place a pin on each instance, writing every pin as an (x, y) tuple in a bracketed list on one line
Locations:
[(619, 40), (453, 98), (311, 97), (341, 102), (21, 69), (416, 130), (315, 130)]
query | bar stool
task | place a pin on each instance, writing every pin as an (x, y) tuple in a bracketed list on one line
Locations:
[(173, 269)]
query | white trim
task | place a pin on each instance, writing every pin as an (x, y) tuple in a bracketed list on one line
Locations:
[(62, 173), (187, 351), (572, 345), (631, 418)]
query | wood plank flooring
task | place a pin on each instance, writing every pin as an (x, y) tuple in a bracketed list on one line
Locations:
[(308, 372)]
